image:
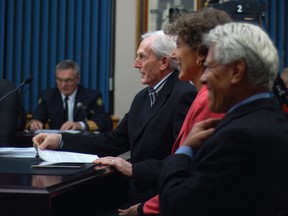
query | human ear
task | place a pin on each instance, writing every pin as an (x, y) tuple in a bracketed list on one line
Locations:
[(201, 59), (238, 71), (164, 63)]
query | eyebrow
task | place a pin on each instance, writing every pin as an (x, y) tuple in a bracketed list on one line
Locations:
[(209, 65), (142, 54)]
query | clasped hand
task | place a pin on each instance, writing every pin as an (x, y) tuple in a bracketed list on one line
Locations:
[(200, 132), (69, 125), (117, 163)]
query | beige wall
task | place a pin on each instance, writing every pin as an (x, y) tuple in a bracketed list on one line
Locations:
[(127, 78)]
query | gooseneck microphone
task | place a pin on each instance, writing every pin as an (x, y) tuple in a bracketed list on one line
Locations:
[(82, 106), (26, 81)]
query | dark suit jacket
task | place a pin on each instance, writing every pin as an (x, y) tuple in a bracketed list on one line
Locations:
[(149, 133), (240, 170), (50, 108), (9, 110)]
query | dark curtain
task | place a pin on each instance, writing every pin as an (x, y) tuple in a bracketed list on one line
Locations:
[(277, 26), (36, 34)]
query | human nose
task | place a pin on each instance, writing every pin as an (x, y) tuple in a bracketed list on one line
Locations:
[(203, 78), (137, 63)]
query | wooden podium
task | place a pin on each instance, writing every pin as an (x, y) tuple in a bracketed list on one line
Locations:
[(53, 191)]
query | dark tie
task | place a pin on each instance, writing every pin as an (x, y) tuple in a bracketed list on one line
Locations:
[(152, 95), (66, 109)]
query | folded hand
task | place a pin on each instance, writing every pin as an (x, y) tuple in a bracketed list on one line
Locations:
[(200, 132), (117, 163)]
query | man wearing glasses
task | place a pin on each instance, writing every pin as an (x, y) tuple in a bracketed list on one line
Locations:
[(70, 106)]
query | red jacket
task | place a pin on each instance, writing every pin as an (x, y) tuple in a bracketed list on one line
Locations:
[(198, 111)]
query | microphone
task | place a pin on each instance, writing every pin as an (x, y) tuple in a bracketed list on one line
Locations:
[(82, 106), (26, 81)]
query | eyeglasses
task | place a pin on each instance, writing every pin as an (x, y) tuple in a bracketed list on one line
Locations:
[(68, 81)]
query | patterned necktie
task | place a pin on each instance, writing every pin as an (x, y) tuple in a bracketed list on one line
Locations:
[(66, 108), (152, 95)]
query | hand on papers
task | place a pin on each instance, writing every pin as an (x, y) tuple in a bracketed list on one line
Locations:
[(117, 163), (71, 126), (200, 132), (47, 141)]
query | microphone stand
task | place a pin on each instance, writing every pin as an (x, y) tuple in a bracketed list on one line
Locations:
[(27, 81)]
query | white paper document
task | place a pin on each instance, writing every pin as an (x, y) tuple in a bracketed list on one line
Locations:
[(26, 152), (65, 157), (50, 131), (49, 156)]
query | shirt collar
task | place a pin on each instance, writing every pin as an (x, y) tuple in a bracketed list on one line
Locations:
[(71, 97), (250, 99), (160, 84)]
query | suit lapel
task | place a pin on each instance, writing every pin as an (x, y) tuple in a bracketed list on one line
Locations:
[(148, 111), (246, 109), (235, 114)]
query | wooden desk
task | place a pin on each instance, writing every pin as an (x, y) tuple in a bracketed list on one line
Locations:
[(35, 191), (24, 138)]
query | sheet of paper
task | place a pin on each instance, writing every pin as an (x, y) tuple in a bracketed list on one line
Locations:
[(50, 131), (27, 152), (62, 156)]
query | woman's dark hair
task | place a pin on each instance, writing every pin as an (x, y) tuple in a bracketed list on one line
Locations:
[(191, 27)]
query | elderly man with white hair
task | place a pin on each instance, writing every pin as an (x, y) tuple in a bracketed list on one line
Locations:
[(153, 121), (238, 165)]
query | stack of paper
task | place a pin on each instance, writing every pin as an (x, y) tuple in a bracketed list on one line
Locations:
[(26, 152), (49, 131), (65, 157), (47, 155)]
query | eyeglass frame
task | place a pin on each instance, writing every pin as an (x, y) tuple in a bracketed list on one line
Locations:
[(68, 81)]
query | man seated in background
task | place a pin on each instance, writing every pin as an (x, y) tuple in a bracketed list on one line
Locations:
[(153, 122), (70, 106), (9, 112)]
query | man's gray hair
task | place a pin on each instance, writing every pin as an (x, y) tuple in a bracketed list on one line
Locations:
[(68, 64), (247, 42), (163, 46)]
